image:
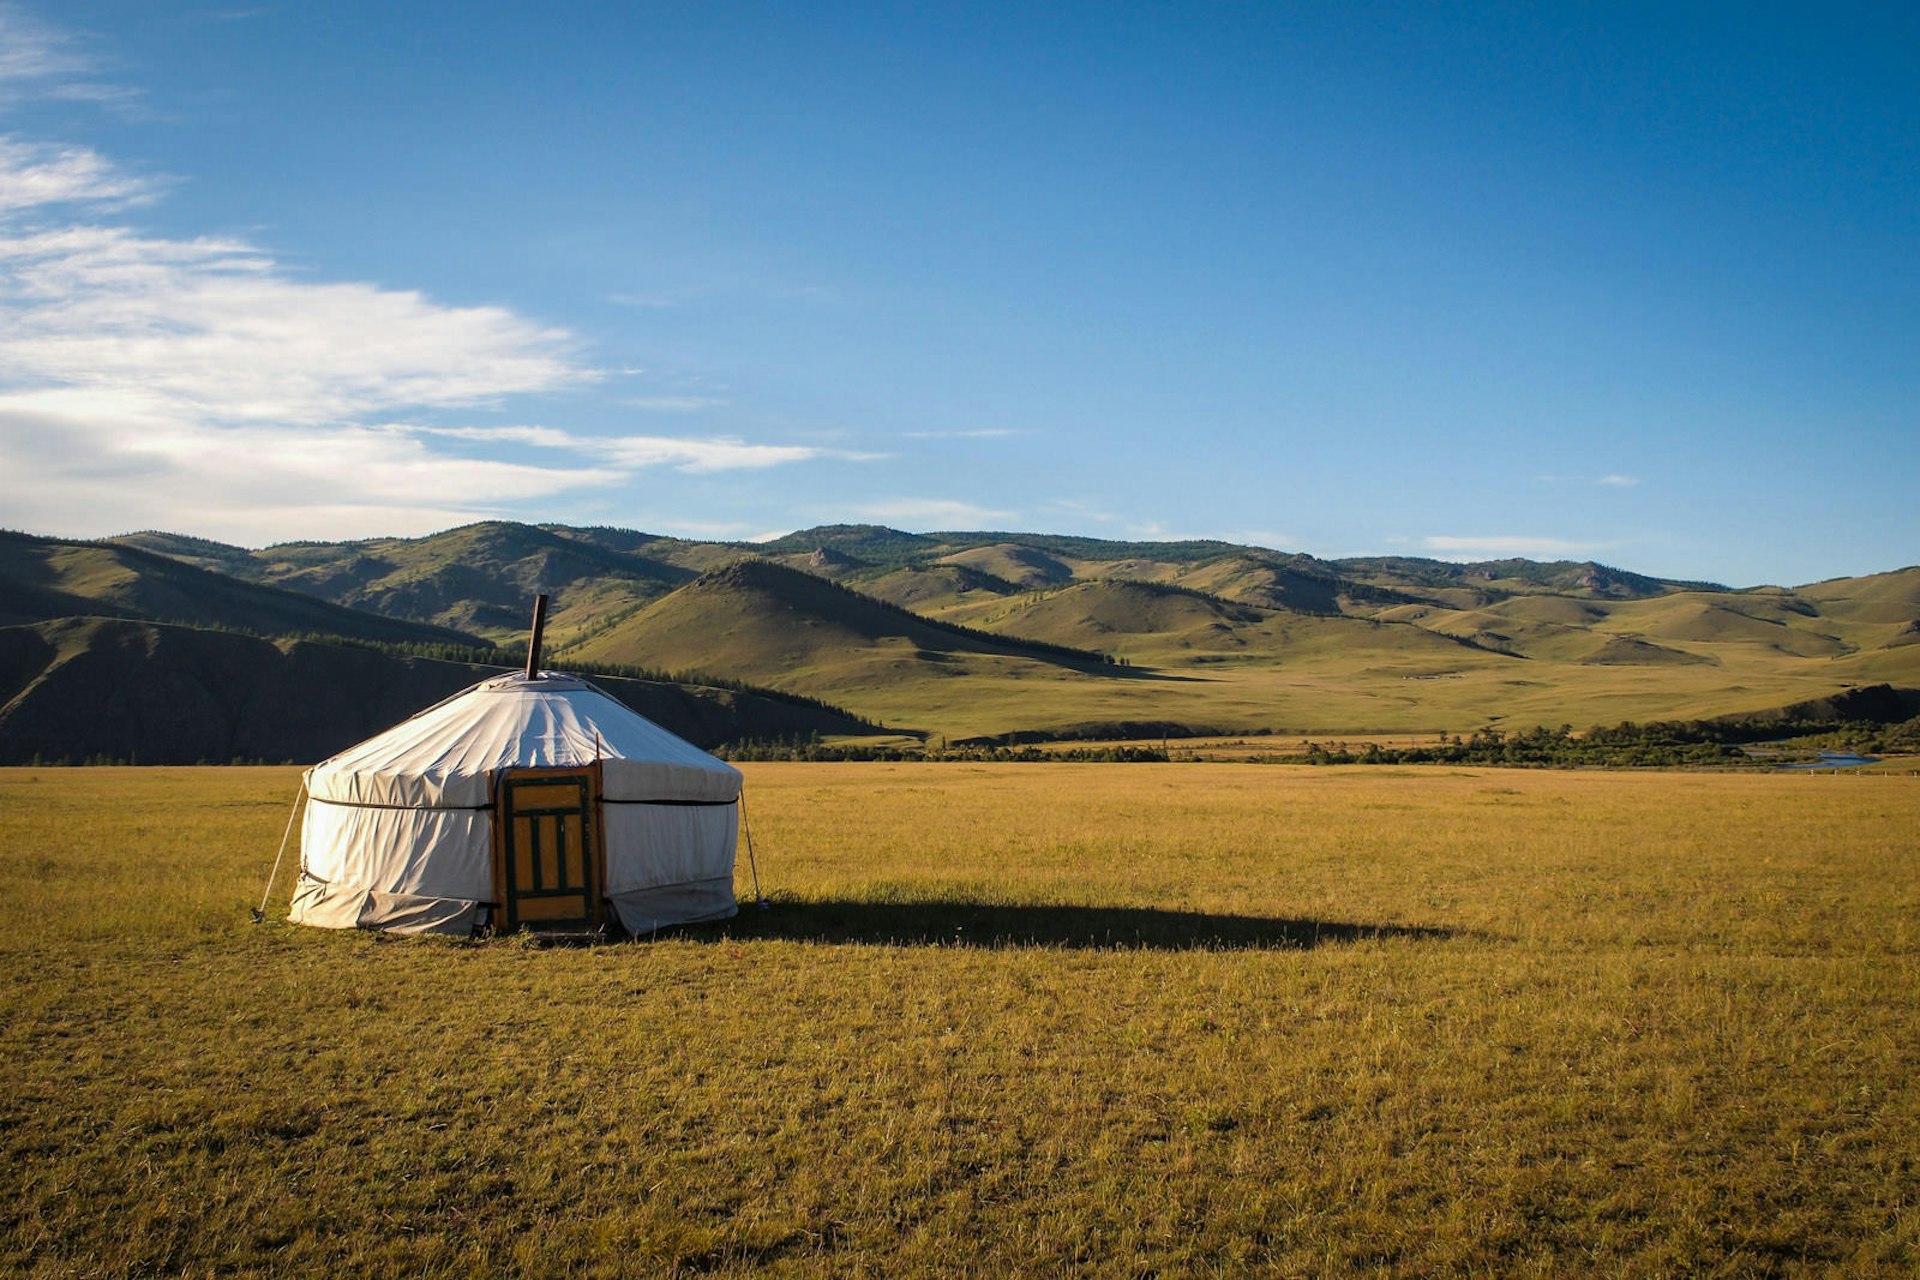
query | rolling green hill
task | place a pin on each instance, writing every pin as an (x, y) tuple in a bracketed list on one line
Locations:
[(1214, 634), (1583, 578), (1027, 568), (806, 634), (1888, 598)]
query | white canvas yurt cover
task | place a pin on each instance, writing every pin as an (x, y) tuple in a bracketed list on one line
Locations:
[(541, 802)]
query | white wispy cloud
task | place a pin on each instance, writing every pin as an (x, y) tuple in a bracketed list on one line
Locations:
[(148, 381), (930, 511), (539, 437), (674, 404), (210, 329), (1614, 479), (684, 453), (95, 464), (43, 61), (1449, 546), (34, 174), (701, 455)]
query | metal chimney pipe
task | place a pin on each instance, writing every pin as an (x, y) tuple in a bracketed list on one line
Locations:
[(539, 629)]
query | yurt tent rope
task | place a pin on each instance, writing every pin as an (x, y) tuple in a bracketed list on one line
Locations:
[(752, 865), (260, 912)]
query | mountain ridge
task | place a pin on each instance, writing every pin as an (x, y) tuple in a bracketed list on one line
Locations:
[(988, 632)]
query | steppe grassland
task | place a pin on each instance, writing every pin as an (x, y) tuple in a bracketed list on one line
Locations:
[(1637, 1024), (1332, 694)]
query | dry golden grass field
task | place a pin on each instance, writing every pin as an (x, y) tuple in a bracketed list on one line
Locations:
[(1015, 1019)]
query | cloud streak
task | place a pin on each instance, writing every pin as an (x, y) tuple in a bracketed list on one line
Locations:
[(977, 433), (1455, 547), (944, 512), (674, 404), (691, 454)]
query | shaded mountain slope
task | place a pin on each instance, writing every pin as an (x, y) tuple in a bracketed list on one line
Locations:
[(45, 578), (84, 688), (1868, 704), (201, 553)]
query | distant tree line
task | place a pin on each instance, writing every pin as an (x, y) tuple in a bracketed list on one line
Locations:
[(805, 749), (1630, 745)]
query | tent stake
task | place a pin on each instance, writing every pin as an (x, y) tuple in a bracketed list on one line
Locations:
[(260, 913)]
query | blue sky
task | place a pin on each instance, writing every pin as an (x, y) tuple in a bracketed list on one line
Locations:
[(1632, 283)]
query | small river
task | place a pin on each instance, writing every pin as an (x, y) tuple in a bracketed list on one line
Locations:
[(1835, 760)]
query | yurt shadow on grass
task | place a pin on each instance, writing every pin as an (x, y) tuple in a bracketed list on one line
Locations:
[(958, 922)]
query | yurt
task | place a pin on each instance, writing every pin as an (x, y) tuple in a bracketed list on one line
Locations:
[(529, 800)]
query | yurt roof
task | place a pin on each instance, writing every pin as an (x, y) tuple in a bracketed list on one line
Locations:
[(442, 757)]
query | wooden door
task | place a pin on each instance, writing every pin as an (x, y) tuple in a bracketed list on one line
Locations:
[(548, 859)]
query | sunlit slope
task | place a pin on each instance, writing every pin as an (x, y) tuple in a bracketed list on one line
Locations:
[(1203, 662), (1249, 580), (1580, 579), (1152, 623), (1025, 567), (936, 588), (1134, 619), (759, 621), (1884, 607), (655, 549), (1216, 635), (1779, 623), (1523, 626), (480, 577), (1676, 627), (44, 578)]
